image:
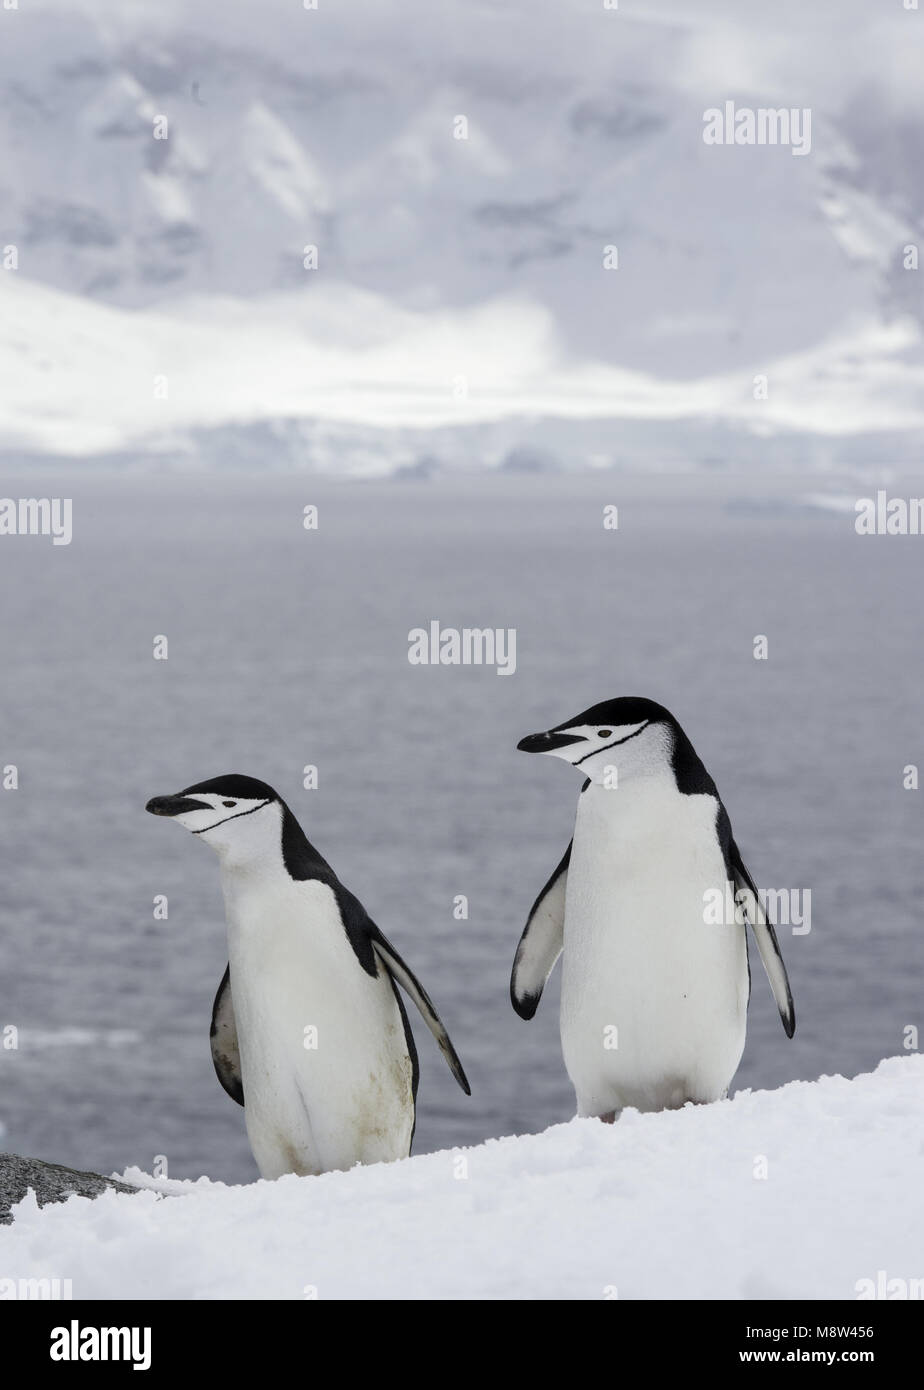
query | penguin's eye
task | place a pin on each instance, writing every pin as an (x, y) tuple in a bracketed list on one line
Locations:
[(229, 803), (604, 733)]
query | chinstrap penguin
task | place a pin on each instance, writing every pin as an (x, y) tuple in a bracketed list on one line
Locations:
[(653, 999), (309, 1033)]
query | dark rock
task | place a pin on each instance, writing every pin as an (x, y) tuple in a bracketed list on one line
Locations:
[(51, 1182)]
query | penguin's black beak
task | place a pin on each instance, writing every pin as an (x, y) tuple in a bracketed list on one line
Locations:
[(175, 805), (547, 743)]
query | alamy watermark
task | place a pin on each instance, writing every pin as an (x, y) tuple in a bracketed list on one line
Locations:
[(782, 907), (767, 125), (77, 1343), (889, 516), (36, 1290), (37, 516), (435, 645), (884, 1287)]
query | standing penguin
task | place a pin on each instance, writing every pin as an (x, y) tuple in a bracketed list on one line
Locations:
[(308, 1032), (653, 998)]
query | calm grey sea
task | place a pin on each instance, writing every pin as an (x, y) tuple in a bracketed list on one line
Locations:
[(289, 647)]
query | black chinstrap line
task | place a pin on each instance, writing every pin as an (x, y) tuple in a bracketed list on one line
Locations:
[(206, 828), (615, 744)]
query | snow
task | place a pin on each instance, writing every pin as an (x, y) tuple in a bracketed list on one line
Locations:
[(668, 1205), (79, 377), (446, 260), (282, 168)]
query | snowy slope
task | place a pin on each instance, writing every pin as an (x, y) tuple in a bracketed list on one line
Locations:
[(658, 1206)]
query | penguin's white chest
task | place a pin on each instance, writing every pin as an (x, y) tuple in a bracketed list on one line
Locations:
[(324, 1062), (654, 1000)]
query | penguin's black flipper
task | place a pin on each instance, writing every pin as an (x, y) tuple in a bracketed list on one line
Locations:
[(226, 1055), (541, 943), (765, 936), (405, 977)]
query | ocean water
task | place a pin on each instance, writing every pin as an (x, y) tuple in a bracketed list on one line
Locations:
[(289, 647)]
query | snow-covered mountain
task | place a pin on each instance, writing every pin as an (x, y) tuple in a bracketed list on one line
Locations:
[(461, 169)]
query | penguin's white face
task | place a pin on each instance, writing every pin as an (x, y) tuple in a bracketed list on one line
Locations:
[(219, 813), (631, 735)]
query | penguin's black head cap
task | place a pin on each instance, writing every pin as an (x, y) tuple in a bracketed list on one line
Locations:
[(234, 784), (245, 820), (626, 709), (220, 796), (609, 718), (628, 736)]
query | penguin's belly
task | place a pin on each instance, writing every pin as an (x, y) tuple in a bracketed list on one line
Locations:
[(654, 1000), (324, 1062)]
